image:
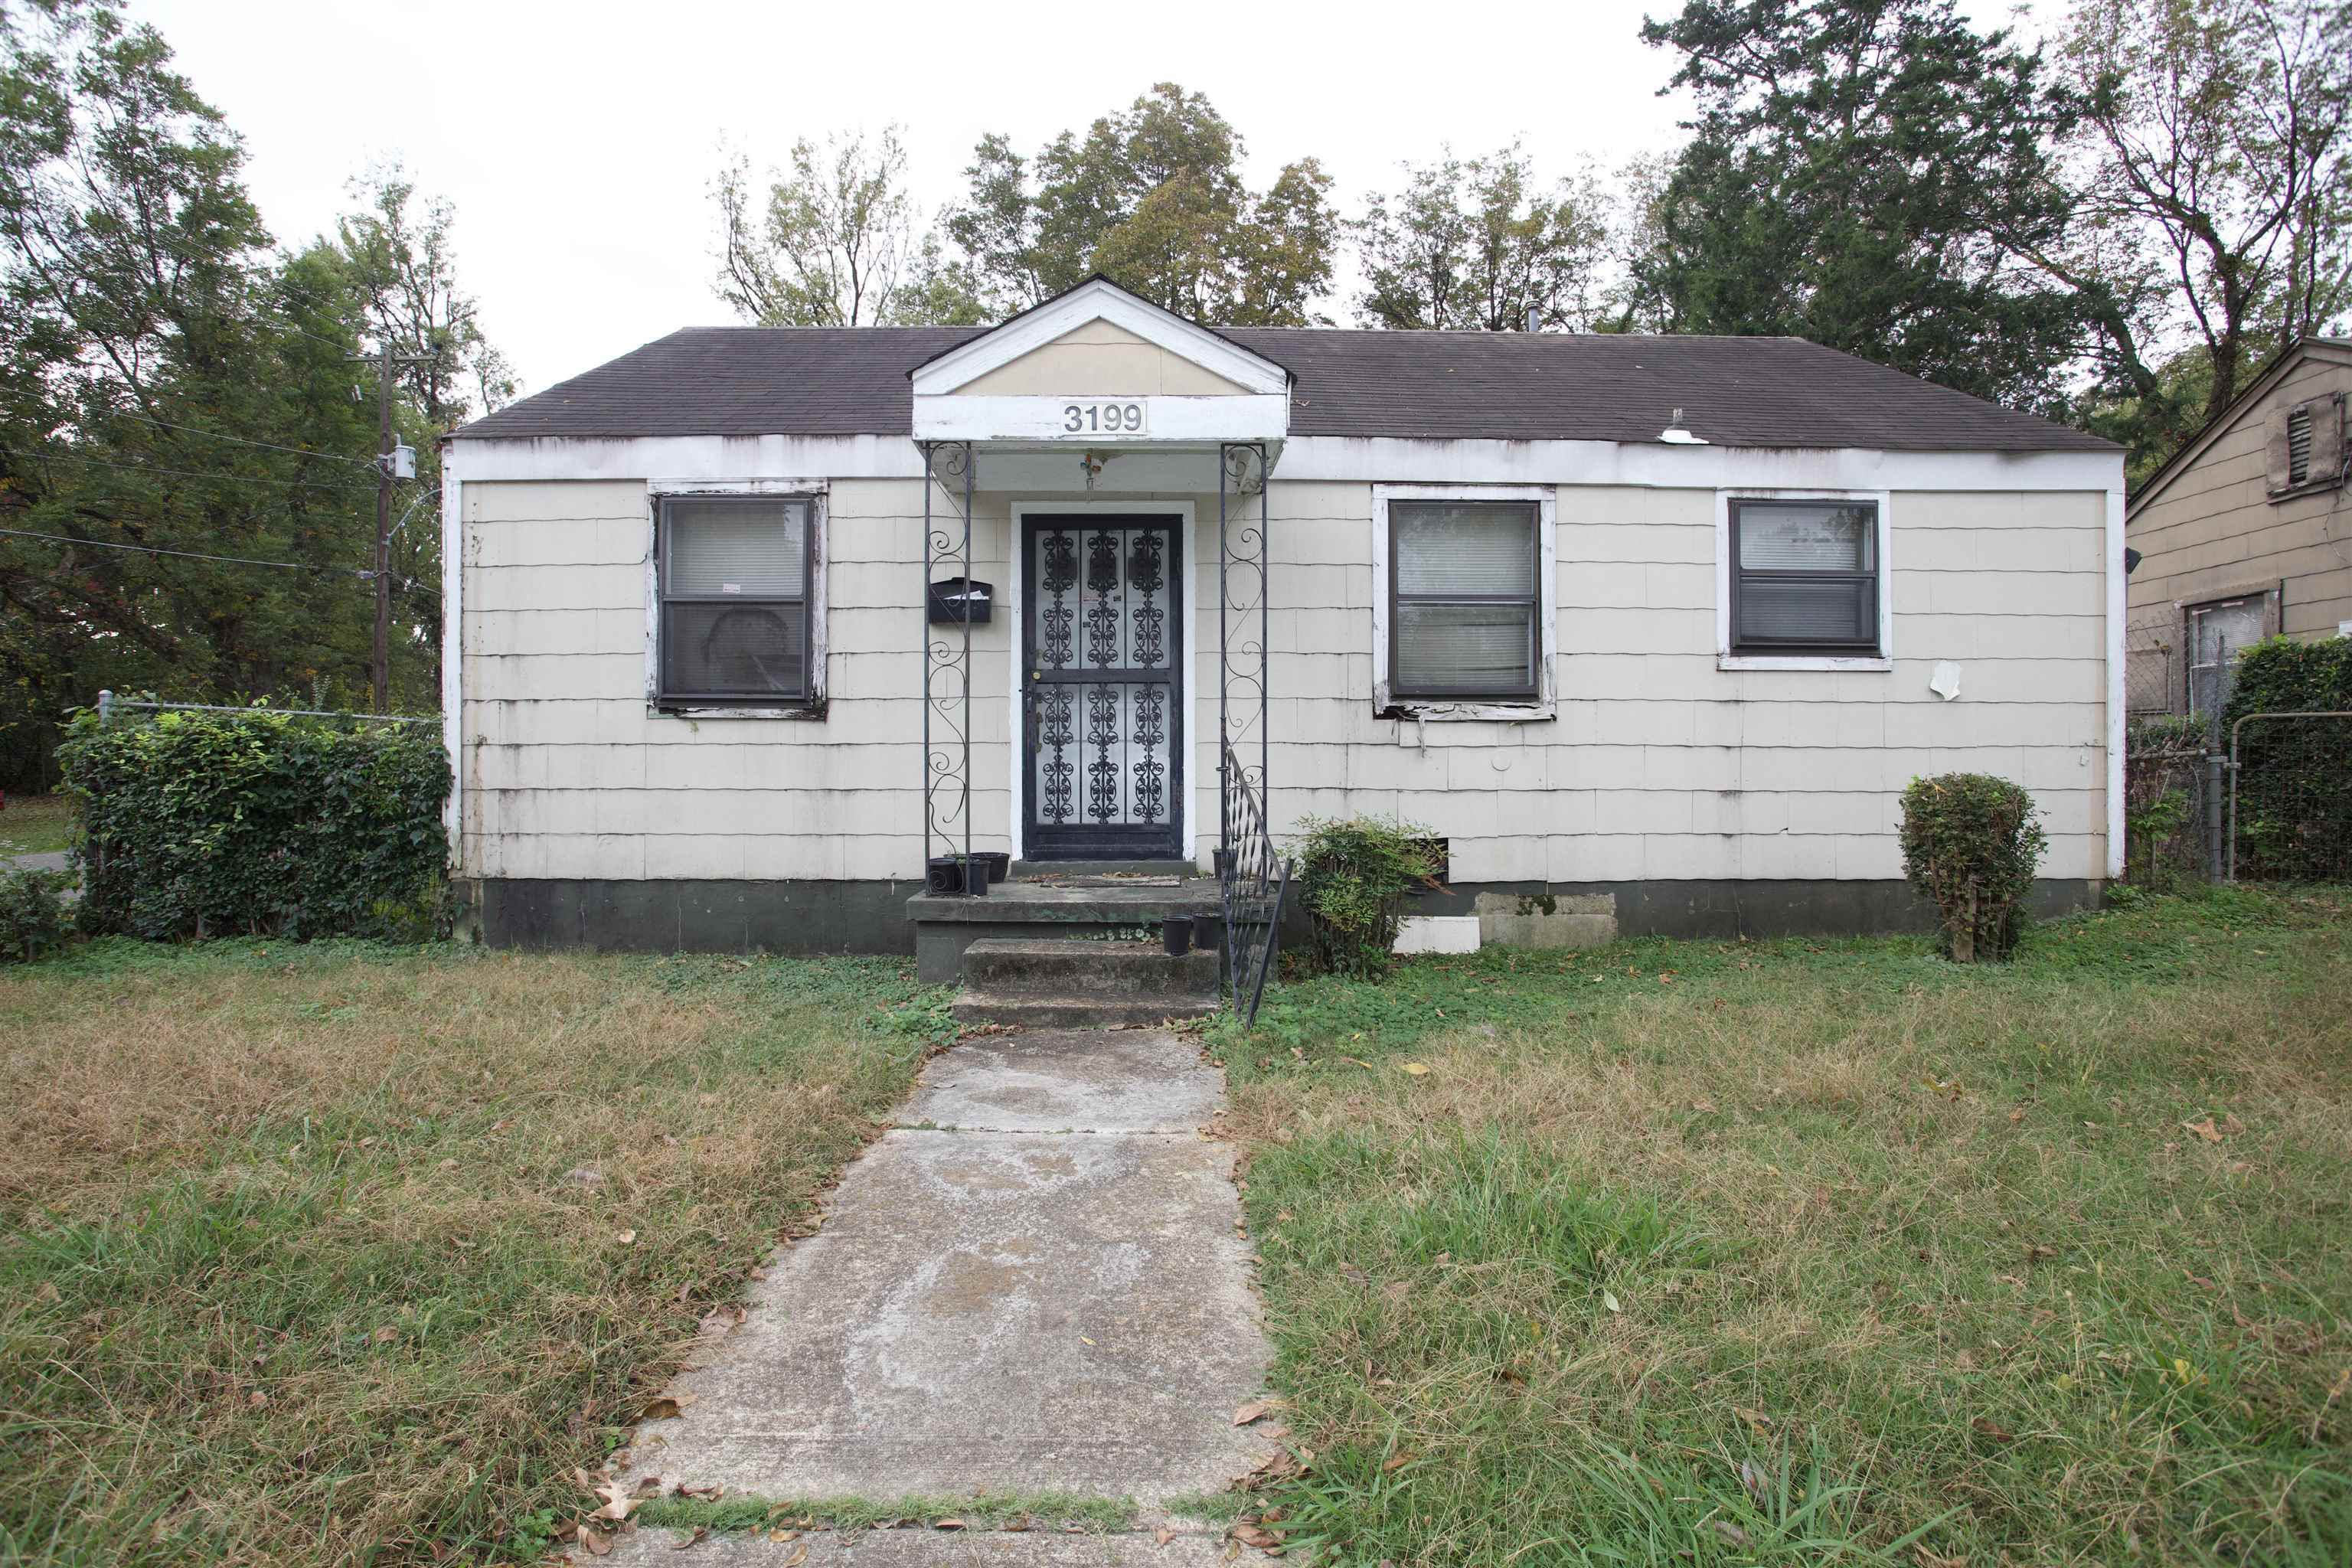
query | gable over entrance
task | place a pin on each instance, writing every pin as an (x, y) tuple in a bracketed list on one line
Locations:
[(1100, 367)]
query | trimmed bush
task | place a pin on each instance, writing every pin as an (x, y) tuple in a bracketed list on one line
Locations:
[(2295, 812), (33, 917), (200, 825), (1971, 843), (1354, 874)]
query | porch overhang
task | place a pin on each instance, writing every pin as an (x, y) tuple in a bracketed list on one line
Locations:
[(1099, 389)]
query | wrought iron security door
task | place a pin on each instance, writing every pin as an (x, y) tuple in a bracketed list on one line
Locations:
[(1102, 698)]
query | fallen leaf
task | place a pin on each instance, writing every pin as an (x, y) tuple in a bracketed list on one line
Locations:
[(1395, 1462), (1162, 1536), (1251, 1412), (701, 1534), (667, 1407), (46, 1292), (1084, 1341), (1609, 1299), (1994, 1430), (1756, 1419), (1253, 1535), (598, 1543), (618, 1501), (626, 1237), (1416, 1068), (946, 1524), (707, 1494), (2205, 1130), (1731, 1532)]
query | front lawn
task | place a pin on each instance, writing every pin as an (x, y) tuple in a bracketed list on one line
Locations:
[(345, 1254), (1692, 1253), (35, 824)]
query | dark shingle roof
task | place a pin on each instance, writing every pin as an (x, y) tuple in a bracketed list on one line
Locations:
[(1737, 392)]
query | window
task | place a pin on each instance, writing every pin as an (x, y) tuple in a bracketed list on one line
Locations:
[(1805, 577), (735, 613), (1465, 600)]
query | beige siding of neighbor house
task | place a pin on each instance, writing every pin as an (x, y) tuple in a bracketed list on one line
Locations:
[(1656, 764), (2212, 532)]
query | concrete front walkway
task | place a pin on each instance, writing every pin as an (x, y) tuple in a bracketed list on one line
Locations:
[(1035, 1283)]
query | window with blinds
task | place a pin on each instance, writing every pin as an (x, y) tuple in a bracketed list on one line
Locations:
[(735, 598), (1464, 600), (1805, 577)]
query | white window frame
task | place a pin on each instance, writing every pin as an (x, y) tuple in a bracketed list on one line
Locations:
[(1725, 658), (1544, 704), (812, 706)]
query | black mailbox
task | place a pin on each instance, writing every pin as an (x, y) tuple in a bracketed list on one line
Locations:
[(955, 601)]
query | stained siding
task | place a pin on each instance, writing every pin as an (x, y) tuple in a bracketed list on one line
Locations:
[(1656, 766)]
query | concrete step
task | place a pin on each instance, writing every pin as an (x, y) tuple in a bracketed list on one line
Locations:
[(1065, 966), (1080, 1010)]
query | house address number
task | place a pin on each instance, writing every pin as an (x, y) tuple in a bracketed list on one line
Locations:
[(1102, 416)]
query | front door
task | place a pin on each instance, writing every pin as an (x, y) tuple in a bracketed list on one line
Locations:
[(1102, 640)]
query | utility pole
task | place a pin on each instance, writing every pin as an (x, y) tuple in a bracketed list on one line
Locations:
[(383, 665), (394, 461)]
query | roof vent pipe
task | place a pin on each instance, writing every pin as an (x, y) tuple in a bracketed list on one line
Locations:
[(1674, 435), (1535, 319)]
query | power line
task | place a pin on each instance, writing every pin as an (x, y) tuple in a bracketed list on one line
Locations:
[(184, 554), (243, 441), (187, 473)]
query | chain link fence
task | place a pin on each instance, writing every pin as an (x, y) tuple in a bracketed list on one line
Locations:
[(2276, 805), (2290, 809), (2152, 680)]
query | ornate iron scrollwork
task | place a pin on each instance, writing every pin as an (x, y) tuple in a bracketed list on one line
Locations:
[(1252, 878), (947, 655)]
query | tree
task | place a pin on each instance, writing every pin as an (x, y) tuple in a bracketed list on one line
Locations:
[(1482, 245), (834, 242), (1869, 173), (172, 392), (1154, 198), (2216, 196)]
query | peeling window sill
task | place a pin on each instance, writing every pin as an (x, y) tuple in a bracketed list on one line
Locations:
[(1802, 662), (697, 712), (1429, 713)]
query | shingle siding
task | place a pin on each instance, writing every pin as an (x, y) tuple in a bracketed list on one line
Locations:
[(1657, 765)]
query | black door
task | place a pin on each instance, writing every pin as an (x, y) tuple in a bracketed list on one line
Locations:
[(1103, 642)]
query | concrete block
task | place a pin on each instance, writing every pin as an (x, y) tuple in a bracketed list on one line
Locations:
[(1547, 920), (1438, 934)]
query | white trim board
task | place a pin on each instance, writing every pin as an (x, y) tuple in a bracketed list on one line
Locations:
[(1883, 660), (1167, 421), (1547, 606), (453, 655), (1093, 301), (2115, 697), (1190, 679), (1329, 457)]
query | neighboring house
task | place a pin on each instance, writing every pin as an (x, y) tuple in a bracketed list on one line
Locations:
[(1650, 632), (2245, 534)]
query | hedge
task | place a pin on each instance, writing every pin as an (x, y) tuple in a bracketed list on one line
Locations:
[(211, 824), (2294, 810), (1972, 842)]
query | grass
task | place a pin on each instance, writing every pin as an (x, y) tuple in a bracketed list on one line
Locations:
[(1700, 1253), (35, 824), (345, 1254), (1062, 1512)]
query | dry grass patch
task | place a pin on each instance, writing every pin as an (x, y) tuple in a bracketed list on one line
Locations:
[(343, 1254), (1818, 1249)]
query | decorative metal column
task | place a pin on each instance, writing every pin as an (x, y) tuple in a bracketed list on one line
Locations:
[(1251, 881), (946, 657)]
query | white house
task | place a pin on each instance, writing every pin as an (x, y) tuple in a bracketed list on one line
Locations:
[(1651, 632)]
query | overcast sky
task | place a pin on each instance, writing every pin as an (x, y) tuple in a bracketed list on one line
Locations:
[(578, 139)]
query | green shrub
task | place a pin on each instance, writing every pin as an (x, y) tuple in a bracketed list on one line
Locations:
[(256, 822), (1971, 843), (1354, 874), (2295, 812), (33, 915)]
